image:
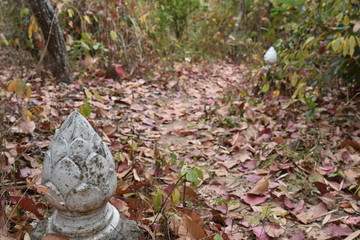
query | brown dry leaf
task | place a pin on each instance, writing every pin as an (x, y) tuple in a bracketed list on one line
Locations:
[(109, 129), (352, 175), (241, 155), (274, 230), (121, 205), (52, 236), (354, 144), (42, 189), (192, 229), (260, 187), (316, 177)]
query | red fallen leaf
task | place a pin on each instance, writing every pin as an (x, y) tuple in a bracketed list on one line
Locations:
[(28, 204), (119, 71), (253, 199), (248, 165), (260, 233), (52, 236), (266, 131), (300, 206), (340, 230), (322, 187), (352, 220), (274, 230), (288, 203), (253, 178), (329, 200), (298, 236), (222, 208)]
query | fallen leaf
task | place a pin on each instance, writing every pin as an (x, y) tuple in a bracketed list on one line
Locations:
[(260, 187), (27, 126), (52, 236), (28, 204), (253, 199), (119, 70), (120, 205), (241, 155), (340, 230), (274, 230), (194, 228), (354, 144), (352, 236), (298, 236), (260, 233)]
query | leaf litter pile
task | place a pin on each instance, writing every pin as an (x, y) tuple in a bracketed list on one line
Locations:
[(201, 153)]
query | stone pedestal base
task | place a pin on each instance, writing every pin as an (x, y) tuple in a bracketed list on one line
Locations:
[(125, 230)]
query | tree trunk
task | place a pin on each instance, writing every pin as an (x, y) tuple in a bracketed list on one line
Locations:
[(54, 39)]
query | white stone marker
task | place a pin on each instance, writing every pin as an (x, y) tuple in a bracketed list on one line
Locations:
[(79, 171)]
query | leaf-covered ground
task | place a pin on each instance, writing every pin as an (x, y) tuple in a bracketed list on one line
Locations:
[(201, 153)]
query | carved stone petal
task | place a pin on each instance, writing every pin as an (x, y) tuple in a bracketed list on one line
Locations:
[(97, 173), (46, 171), (58, 149), (98, 145), (79, 150), (55, 197), (65, 176), (85, 198)]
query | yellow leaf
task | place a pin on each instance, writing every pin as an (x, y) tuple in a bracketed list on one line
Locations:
[(88, 94), (352, 43), (98, 97), (346, 20), (17, 86), (70, 12), (308, 41), (335, 44), (143, 18), (33, 27), (87, 19), (175, 197), (28, 115), (294, 80), (4, 39), (28, 91), (298, 89), (113, 35), (276, 93), (339, 17), (346, 47), (157, 202)]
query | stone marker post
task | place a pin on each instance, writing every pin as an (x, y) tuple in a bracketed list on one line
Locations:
[(80, 172)]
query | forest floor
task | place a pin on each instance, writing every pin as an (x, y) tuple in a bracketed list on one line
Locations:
[(237, 163)]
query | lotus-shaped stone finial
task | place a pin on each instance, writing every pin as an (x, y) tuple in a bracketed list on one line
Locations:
[(79, 171)]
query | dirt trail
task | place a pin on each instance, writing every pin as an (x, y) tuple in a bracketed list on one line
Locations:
[(253, 182)]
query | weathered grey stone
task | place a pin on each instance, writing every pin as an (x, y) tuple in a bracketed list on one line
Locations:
[(79, 170)]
